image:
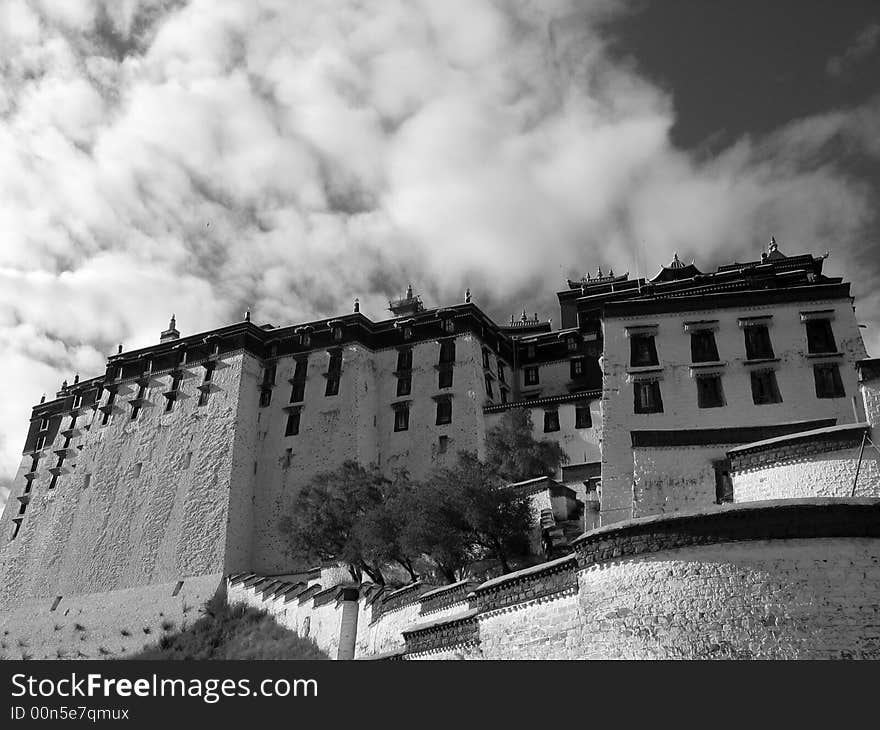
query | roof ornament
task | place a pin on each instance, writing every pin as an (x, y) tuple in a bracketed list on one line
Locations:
[(676, 262), (409, 292), (524, 317), (357, 305), (43, 398), (119, 349), (610, 272), (247, 315), (76, 378), (467, 295), (172, 325), (64, 384), (599, 272), (773, 245)]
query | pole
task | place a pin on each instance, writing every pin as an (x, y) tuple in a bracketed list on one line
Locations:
[(859, 463)]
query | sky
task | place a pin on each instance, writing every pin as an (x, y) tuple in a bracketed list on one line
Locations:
[(204, 157)]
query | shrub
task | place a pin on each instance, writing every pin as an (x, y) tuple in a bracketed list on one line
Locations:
[(232, 632)]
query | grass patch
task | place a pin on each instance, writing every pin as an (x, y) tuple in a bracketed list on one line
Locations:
[(232, 632)]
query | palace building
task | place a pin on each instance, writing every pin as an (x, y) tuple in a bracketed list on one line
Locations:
[(181, 458)]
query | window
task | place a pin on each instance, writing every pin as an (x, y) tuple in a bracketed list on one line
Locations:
[(442, 444), (15, 530), (820, 338), (486, 365), (531, 376), (401, 418), (449, 325), (703, 347), (44, 424), (582, 416), (764, 387), (108, 409), (571, 344), (828, 382), (488, 381), (723, 482), (643, 351), (141, 396), (647, 397), (551, 421), (138, 468), (41, 443), (500, 366), (444, 411), (334, 372), (447, 352), (404, 385), (87, 480), (209, 376), (265, 397), (171, 395), (269, 375), (187, 460), (292, 427), (404, 359), (577, 368), (530, 352), (300, 371), (77, 401), (337, 334), (297, 391), (53, 483), (709, 393), (445, 378), (758, 345)]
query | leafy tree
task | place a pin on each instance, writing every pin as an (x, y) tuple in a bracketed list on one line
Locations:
[(353, 515), (327, 516), (514, 454)]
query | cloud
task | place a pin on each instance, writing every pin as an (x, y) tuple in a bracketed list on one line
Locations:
[(863, 46), (204, 157)]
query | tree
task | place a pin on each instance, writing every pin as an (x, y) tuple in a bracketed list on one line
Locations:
[(353, 515), (328, 515), (513, 453), (463, 514)]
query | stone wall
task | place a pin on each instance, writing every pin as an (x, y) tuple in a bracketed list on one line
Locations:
[(671, 479), (771, 580), (107, 625), (781, 579), (819, 463), (138, 502)]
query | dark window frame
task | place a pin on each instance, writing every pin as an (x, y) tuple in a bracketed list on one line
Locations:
[(704, 348), (444, 411), (830, 385), (583, 418), (765, 387), (551, 421), (643, 351), (531, 375), (651, 404), (710, 391), (758, 344)]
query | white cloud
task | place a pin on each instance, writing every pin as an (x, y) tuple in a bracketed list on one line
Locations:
[(203, 157)]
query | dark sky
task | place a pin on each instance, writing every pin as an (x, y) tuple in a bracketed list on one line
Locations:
[(747, 67)]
